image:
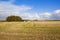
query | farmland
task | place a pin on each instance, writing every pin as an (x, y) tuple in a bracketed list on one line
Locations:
[(31, 30)]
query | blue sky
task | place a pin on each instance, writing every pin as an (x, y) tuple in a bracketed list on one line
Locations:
[(41, 5), (31, 9)]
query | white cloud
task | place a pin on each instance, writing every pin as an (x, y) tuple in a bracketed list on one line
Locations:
[(57, 11), (37, 16), (45, 16), (30, 16), (7, 9)]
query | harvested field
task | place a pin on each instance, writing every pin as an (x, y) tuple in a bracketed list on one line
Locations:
[(37, 30)]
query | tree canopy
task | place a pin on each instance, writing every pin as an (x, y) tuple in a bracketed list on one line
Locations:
[(13, 18)]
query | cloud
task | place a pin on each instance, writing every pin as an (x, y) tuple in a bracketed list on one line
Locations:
[(7, 9), (30, 16), (45, 16), (56, 14), (57, 11), (37, 16)]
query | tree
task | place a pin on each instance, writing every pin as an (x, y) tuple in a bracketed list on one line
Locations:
[(13, 18)]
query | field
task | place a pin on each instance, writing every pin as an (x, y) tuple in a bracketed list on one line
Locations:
[(31, 30)]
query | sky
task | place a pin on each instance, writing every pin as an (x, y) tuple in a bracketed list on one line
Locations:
[(30, 9)]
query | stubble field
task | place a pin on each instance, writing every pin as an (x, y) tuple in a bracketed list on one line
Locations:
[(31, 30)]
